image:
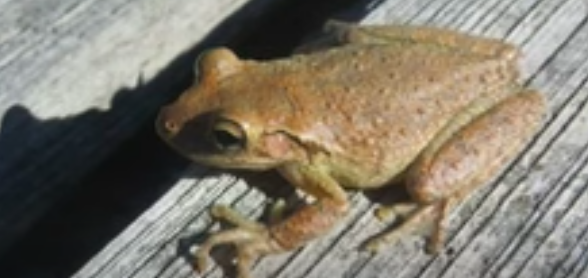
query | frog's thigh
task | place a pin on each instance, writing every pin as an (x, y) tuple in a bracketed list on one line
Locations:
[(463, 156), (477, 151), (349, 33)]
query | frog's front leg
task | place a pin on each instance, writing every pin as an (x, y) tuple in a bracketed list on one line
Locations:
[(452, 166), (253, 239)]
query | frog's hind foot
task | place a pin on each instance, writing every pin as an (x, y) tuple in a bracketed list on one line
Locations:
[(435, 214)]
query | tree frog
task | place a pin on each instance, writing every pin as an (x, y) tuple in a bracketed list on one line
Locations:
[(359, 108)]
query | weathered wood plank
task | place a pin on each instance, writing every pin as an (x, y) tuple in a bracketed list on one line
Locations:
[(79, 77), (527, 223)]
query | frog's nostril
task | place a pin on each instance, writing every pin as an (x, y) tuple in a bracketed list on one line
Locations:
[(167, 122), (171, 126), (167, 126)]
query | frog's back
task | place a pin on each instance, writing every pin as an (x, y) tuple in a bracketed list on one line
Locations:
[(378, 103)]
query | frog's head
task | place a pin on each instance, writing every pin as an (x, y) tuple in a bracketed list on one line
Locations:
[(224, 120)]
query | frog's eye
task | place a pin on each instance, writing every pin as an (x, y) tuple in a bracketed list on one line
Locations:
[(227, 136)]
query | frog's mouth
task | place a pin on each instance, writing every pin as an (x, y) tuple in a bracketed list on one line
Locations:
[(233, 162)]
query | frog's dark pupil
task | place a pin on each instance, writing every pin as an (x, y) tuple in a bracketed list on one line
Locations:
[(227, 141)]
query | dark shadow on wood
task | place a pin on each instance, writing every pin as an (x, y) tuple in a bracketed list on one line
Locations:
[(90, 195)]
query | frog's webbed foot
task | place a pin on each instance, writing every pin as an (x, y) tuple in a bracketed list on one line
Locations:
[(419, 217), (250, 238)]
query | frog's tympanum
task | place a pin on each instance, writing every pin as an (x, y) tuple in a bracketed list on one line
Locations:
[(440, 111)]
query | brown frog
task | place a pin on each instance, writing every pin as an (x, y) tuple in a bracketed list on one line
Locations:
[(441, 111)]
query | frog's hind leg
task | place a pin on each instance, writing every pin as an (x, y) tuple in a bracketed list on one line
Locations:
[(337, 33), (345, 33), (464, 156)]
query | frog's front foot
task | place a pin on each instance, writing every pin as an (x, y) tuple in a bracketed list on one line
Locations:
[(250, 238)]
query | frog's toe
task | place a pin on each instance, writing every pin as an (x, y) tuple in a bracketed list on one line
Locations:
[(438, 234), (252, 250), (227, 214), (277, 211), (201, 259), (201, 263), (393, 212), (235, 236), (375, 245), (385, 214)]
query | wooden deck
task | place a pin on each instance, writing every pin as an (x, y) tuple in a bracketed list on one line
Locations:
[(530, 222)]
